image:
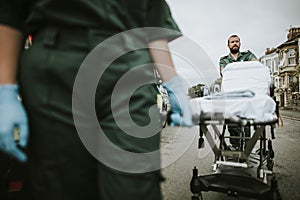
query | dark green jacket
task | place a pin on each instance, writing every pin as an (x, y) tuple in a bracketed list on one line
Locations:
[(243, 56), (111, 16)]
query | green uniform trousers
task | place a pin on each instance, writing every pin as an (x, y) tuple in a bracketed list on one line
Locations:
[(62, 168), (236, 130)]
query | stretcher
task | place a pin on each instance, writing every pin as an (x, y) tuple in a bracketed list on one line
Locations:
[(245, 101)]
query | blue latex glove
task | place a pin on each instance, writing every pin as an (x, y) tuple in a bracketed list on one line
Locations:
[(180, 106), (12, 115)]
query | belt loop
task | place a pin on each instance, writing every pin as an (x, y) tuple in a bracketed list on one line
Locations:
[(50, 37)]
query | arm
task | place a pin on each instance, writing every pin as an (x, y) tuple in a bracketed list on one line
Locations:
[(180, 107), (251, 56), (159, 15), (222, 65), (13, 114), (159, 51), (221, 69), (10, 40)]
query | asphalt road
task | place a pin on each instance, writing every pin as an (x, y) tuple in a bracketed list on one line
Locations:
[(180, 154)]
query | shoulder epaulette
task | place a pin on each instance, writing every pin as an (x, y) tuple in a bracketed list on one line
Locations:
[(246, 52), (223, 57)]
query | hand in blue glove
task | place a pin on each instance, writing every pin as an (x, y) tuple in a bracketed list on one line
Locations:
[(12, 115), (180, 106)]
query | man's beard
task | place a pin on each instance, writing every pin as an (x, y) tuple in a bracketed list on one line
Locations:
[(235, 49)]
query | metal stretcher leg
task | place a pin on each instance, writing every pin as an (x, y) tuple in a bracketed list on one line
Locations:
[(235, 182)]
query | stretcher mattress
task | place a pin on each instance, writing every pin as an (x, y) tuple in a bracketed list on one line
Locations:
[(244, 94)]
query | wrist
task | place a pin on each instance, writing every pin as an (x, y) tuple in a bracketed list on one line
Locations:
[(8, 91), (174, 84), (8, 86)]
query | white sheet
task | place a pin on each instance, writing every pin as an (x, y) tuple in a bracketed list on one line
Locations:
[(259, 108), (251, 75), (245, 89)]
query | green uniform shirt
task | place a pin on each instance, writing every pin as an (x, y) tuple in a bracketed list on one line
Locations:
[(242, 56), (111, 16)]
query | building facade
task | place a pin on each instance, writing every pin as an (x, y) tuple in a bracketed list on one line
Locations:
[(283, 62)]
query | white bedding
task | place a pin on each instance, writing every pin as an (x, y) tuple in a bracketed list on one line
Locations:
[(245, 89), (259, 108), (251, 75)]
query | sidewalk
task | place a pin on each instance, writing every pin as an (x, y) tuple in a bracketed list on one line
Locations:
[(290, 114)]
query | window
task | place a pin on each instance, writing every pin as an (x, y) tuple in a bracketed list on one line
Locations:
[(276, 82), (291, 57), (268, 63), (275, 65), (291, 79), (281, 59), (283, 81)]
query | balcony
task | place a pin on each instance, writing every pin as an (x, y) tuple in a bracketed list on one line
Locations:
[(288, 68)]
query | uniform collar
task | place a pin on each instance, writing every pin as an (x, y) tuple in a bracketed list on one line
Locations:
[(230, 56)]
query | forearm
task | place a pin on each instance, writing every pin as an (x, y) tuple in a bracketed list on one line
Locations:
[(222, 65), (221, 69), (161, 56), (11, 43)]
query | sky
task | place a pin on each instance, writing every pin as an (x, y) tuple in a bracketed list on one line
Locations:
[(260, 24)]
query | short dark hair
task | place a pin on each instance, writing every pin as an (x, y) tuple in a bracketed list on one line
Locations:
[(232, 36)]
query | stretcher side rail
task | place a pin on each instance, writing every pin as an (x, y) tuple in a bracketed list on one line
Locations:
[(219, 118)]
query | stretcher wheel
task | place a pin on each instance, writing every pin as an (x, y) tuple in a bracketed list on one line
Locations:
[(274, 193), (195, 185), (197, 197)]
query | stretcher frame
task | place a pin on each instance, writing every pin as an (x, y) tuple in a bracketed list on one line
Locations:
[(230, 179)]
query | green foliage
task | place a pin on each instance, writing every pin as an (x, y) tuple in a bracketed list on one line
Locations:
[(196, 91)]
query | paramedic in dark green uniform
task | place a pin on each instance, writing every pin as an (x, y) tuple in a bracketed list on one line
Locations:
[(64, 33), (235, 55)]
